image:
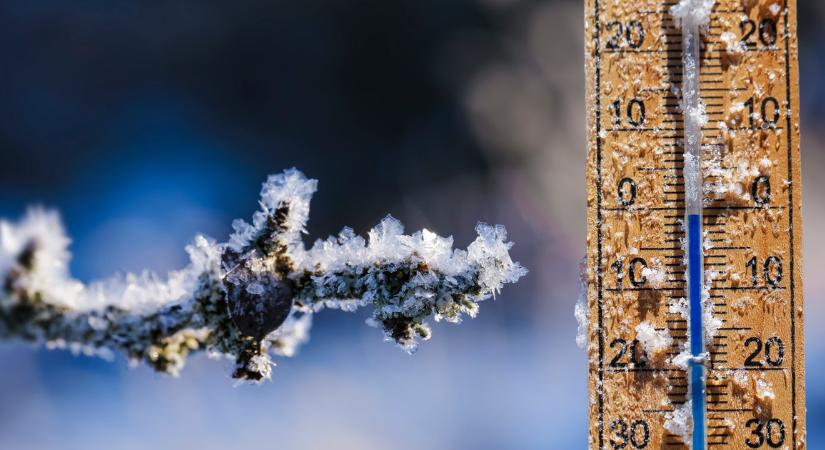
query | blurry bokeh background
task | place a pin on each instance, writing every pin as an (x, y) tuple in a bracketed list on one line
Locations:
[(147, 122)]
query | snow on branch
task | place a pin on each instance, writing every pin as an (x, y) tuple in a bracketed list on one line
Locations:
[(250, 297)]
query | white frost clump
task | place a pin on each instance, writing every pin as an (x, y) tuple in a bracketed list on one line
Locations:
[(581, 311), (741, 380), (491, 252), (685, 358), (697, 115), (733, 179), (733, 45), (654, 341), (680, 421), (682, 359), (679, 307), (655, 277), (44, 230), (764, 391), (692, 13)]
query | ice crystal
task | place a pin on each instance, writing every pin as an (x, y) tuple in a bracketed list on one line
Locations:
[(692, 13), (407, 278), (653, 341), (764, 391), (656, 277), (249, 297), (680, 421)]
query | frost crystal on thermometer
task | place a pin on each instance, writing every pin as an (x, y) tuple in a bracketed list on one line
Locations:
[(249, 297), (764, 391), (653, 341), (692, 13), (680, 421)]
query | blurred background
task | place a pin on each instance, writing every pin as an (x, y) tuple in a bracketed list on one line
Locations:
[(147, 122)]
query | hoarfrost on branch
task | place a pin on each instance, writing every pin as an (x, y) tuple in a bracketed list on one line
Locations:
[(252, 296)]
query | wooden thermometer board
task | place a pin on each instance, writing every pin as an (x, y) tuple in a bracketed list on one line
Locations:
[(752, 227)]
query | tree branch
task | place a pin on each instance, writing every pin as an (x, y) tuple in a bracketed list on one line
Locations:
[(251, 296)]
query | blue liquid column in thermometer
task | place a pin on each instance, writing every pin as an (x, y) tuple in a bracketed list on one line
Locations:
[(693, 218)]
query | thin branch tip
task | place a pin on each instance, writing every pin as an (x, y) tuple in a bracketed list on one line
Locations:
[(252, 296)]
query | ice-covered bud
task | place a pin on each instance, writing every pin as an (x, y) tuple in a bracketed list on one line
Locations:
[(258, 303)]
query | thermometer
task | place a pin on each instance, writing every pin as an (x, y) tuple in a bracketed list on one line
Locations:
[(694, 277)]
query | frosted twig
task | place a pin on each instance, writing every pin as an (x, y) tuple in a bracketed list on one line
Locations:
[(251, 296)]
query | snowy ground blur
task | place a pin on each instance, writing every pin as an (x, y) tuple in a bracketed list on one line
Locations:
[(146, 123)]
